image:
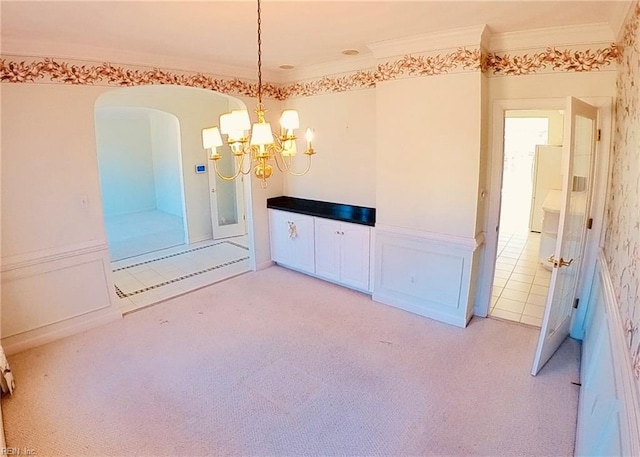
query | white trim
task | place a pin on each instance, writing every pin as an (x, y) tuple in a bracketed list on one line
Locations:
[(407, 305), (457, 241), (264, 265), (453, 38), (67, 327), (3, 442), (328, 69), (620, 13), (36, 49), (584, 34), (625, 380), (50, 255)]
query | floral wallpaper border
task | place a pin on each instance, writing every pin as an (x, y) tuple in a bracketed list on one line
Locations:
[(68, 73), (554, 58), (460, 59), (622, 231)]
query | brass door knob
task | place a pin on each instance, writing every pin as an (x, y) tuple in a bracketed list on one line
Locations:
[(559, 263)]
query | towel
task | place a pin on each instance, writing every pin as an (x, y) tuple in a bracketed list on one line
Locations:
[(6, 380)]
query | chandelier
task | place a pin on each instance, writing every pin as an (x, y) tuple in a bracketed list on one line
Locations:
[(257, 144)]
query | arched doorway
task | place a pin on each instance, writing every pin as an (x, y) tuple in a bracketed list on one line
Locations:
[(162, 208)]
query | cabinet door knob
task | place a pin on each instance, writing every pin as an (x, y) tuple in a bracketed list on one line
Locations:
[(293, 231)]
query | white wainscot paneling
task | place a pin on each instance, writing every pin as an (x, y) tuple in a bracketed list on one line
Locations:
[(426, 274), (51, 297), (609, 406)]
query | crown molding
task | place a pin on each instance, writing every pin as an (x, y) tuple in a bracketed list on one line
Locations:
[(26, 48), (327, 69), (552, 36), (621, 12), (454, 38)]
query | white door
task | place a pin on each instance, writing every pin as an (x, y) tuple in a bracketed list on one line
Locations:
[(355, 256), (327, 247), (578, 152), (227, 200)]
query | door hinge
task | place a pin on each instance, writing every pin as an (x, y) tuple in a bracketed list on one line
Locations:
[(590, 223), (599, 134), (575, 303)]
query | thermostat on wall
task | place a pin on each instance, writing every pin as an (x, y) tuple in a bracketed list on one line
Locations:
[(201, 168)]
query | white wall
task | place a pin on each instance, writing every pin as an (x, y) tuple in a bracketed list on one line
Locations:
[(55, 263), (344, 168), (49, 164), (53, 229), (167, 163), (125, 161), (428, 153)]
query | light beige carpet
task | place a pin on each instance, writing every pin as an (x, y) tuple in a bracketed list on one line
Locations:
[(279, 363)]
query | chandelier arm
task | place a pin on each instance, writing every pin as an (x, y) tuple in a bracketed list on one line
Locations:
[(228, 178), (306, 170), (242, 162), (285, 166)]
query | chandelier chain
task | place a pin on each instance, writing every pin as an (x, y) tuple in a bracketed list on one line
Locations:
[(257, 143), (259, 55)]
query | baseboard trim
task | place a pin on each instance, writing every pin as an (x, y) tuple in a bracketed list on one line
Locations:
[(264, 265), (43, 335), (3, 443), (393, 301), (623, 363)]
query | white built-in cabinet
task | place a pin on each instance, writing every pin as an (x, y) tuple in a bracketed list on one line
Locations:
[(292, 240), (342, 252), (333, 250)]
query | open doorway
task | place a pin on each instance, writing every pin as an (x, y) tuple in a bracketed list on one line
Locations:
[(141, 180), (531, 185), (162, 210)]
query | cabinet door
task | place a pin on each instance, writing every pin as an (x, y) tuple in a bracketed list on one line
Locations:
[(278, 237), (354, 256), (328, 240), (292, 240)]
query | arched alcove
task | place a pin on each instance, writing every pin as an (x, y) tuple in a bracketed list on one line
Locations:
[(158, 191)]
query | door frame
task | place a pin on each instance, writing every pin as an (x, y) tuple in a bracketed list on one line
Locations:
[(495, 167)]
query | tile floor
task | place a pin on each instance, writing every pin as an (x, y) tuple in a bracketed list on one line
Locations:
[(147, 279), (521, 282)]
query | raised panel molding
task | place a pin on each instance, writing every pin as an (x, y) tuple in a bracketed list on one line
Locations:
[(56, 296), (27, 259), (430, 275), (609, 407)]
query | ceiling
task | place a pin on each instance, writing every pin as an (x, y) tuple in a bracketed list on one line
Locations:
[(298, 33)]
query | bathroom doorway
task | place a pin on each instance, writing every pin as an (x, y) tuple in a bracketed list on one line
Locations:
[(531, 176)]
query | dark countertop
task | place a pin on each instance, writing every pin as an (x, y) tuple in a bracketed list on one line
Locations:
[(336, 211)]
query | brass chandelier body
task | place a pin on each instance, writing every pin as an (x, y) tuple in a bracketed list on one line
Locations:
[(261, 146)]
